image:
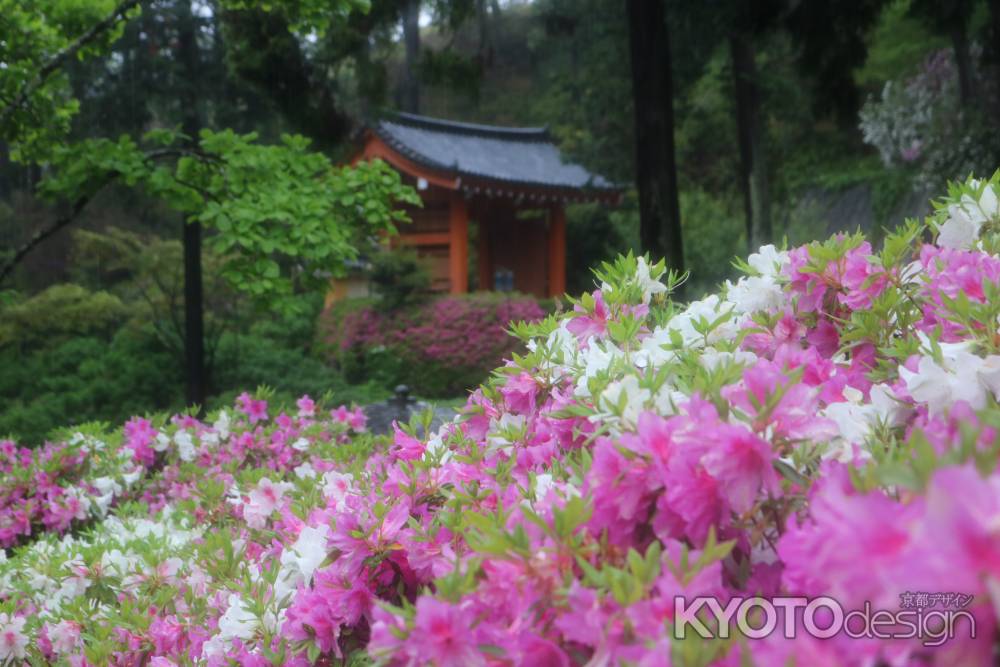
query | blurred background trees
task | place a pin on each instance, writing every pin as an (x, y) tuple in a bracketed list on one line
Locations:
[(790, 120)]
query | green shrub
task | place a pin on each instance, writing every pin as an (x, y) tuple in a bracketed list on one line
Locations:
[(57, 312), (248, 361), (85, 379)]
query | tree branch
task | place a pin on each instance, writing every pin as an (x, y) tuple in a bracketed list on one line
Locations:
[(81, 203), (60, 57), (43, 234)]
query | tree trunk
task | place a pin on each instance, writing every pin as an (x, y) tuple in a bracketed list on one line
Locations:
[(262, 50), (963, 60), (750, 135), (194, 307), (995, 40), (410, 89), (485, 22), (655, 159)]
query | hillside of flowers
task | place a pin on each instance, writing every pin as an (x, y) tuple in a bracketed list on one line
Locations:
[(824, 426)]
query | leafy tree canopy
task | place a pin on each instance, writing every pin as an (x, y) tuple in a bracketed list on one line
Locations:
[(285, 215), (40, 38)]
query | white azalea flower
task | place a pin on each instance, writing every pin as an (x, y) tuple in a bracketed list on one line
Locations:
[(887, 407), (768, 261), (854, 423), (628, 394), (712, 358), (301, 559), (543, 483), (238, 622), (132, 476), (305, 471), (751, 294), (965, 219), (221, 425), (435, 448), (964, 377), (652, 353), (930, 384), (667, 399), (709, 309), (596, 359), (186, 449), (649, 285), (161, 442), (959, 231)]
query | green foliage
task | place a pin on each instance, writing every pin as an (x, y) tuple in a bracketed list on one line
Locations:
[(254, 360), (305, 16), (399, 278), (85, 379), (710, 239), (283, 216), (898, 42), (595, 233), (36, 109), (73, 355), (97, 378), (59, 312)]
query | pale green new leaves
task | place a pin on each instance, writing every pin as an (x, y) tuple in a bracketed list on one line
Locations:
[(281, 215)]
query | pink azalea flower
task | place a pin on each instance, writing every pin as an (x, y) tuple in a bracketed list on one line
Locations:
[(741, 462), (519, 393), (407, 448), (255, 409), (442, 635), (168, 635), (307, 407), (850, 546), (139, 436), (587, 325), (960, 534)]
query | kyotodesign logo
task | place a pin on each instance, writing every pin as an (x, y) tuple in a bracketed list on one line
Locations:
[(934, 618)]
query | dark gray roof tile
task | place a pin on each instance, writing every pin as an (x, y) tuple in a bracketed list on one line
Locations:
[(516, 156)]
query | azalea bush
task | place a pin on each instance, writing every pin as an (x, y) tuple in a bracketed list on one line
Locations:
[(825, 426), (441, 348)]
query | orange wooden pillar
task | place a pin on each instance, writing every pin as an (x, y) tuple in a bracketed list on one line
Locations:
[(485, 256), (557, 251), (458, 244)]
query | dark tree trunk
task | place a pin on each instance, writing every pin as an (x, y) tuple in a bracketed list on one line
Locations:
[(263, 51), (963, 60), (485, 24), (410, 89), (655, 159), (194, 306), (194, 322), (750, 136), (995, 41)]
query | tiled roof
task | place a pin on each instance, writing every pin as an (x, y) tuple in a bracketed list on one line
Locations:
[(512, 156)]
